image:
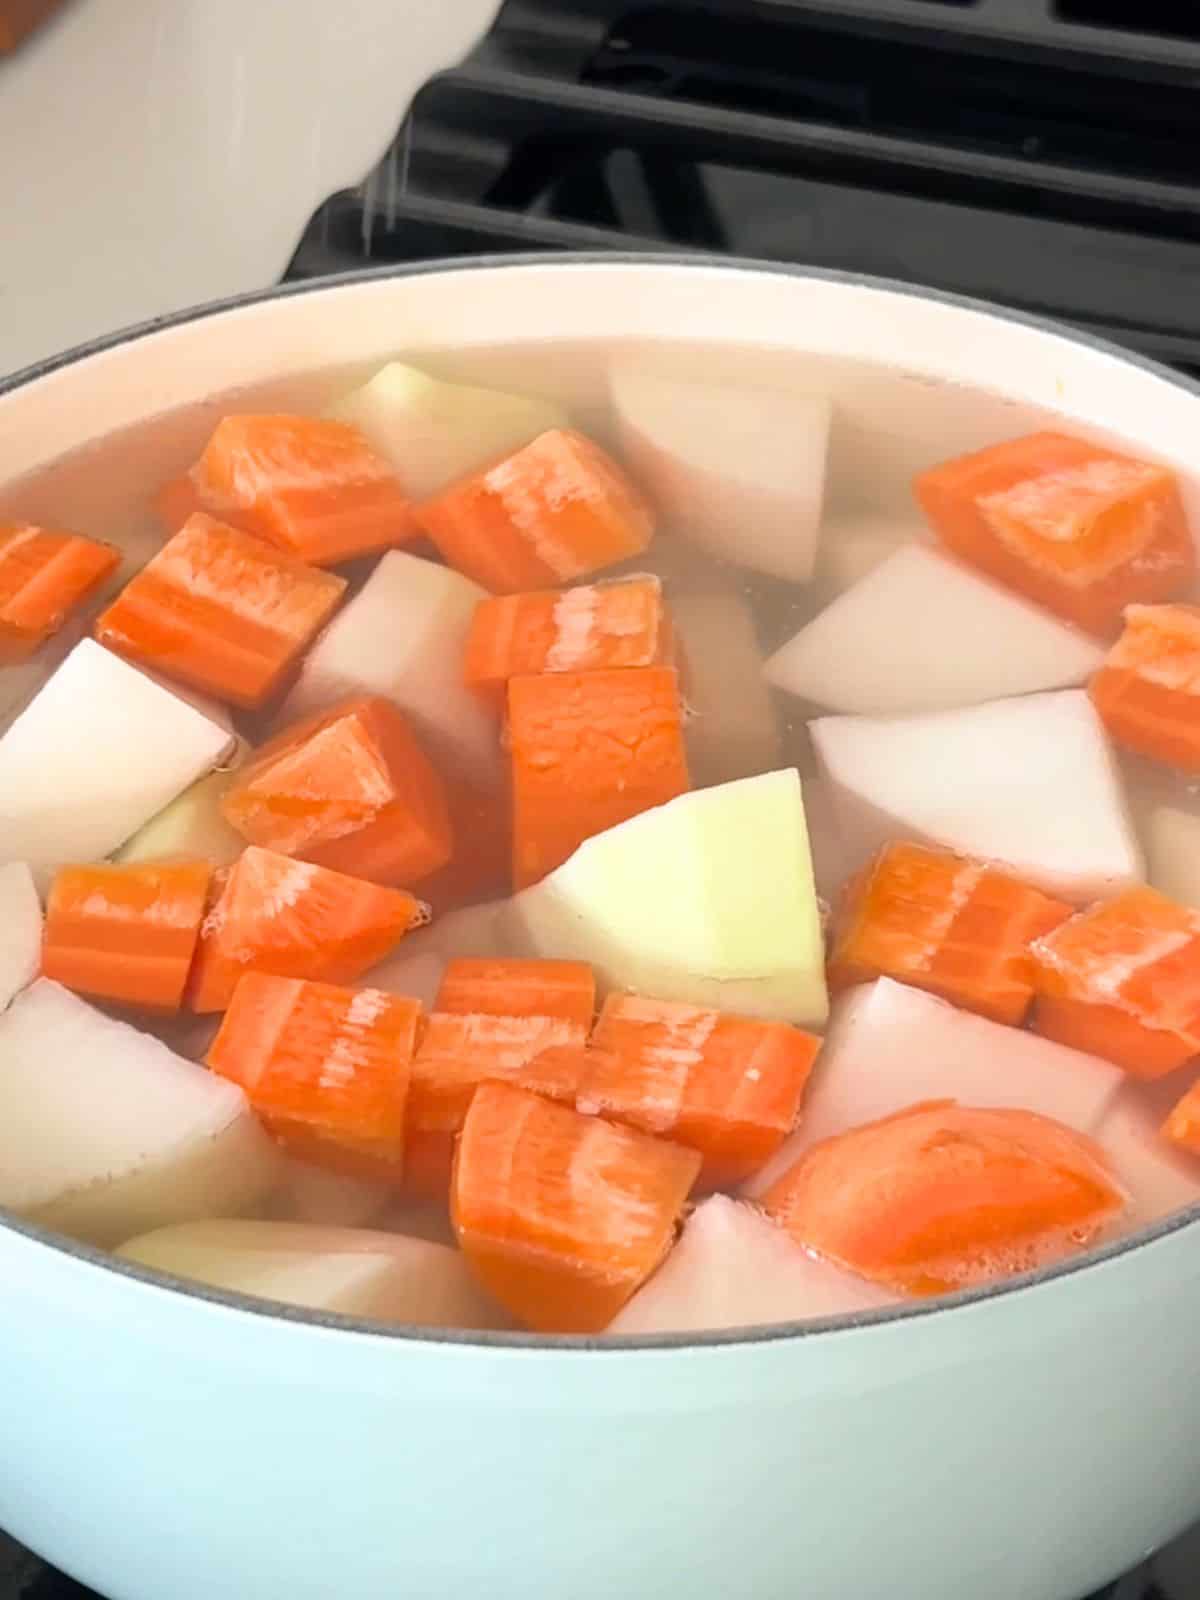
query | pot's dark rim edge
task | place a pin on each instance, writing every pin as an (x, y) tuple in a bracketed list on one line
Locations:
[(543, 1345)]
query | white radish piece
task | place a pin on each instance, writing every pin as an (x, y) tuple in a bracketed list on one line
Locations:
[(1160, 1176), (732, 1268), (708, 899), (417, 966), (1030, 783), (104, 1132), (311, 1194), (358, 1273), (432, 432), (193, 825), (739, 470), (851, 545), (97, 753), (1173, 853), (890, 1047), (20, 930), (924, 633), (403, 636), (731, 730)]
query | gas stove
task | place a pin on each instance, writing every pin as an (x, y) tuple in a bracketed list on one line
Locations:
[(1039, 153)]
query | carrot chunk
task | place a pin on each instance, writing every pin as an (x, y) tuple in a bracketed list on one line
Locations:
[(1076, 527), (293, 919), (556, 510), (941, 1196), (176, 501), (222, 611), (126, 933), (561, 1216), (1122, 980), (350, 789), (1148, 690), (326, 1068), (43, 576), (1182, 1126), (589, 750), (494, 987), (481, 865), (586, 629), (941, 922), (310, 485), (727, 1086)]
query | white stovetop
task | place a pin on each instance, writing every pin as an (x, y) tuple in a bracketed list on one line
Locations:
[(157, 153)]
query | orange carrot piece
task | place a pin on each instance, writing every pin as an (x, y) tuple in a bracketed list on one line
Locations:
[(176, 501), (326, 1068), (126, 933), (351, 789), (310, 485), (481, 866), (293, 919), (586, 629), (727, 1086), (937, 921), (1122, 980), (44, 576), (563, 1217), (221, 611), (1182, 1126), (941, 1196), (556, 510), (589, 750), (495, 987), (1148, 690), (1077, 527)]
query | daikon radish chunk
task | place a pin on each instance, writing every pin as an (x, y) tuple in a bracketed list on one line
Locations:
[(20, 930), (731, 728), (101, 750), (105, 1133), (417, 966), (740, 470), (854, 544), (1160, 1176), (192, 826), (384, 1276), (923, 633), (331, 1199), (403, 636), (732, 1268), (433, 432), (708, 899), (1028, 783), (1173, 852), (889, 1046)]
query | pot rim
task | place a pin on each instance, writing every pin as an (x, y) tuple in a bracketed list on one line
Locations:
[(714, 1339)]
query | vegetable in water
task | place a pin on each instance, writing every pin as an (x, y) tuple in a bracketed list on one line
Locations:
[(20, 930), (1146, 690), (44, 576)]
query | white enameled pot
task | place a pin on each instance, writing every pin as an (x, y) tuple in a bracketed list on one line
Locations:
[(159, 1440)]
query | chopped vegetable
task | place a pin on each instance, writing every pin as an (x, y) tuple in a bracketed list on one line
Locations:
[(433, 432), (1182, 1127), (309, 485), (402, 636), (1146, 691), (97, 753), (293, 919), (221, 610), (193, 826), (589, 751), (944, 923), (126, 933), (943, 1197), (1076, 527), (20, 930), (176, 501), (556, 510), (561, 1216), (738, 469), (889, 1046), (481, 866), (708, 899), (727, 1086), (326, 1068), (496, 987), (1122, 979), (586, 629), (351, 1271), (734, 1269), (105, 1133), (922, 633), (351, 789), (43, 576), (1027, 783)]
